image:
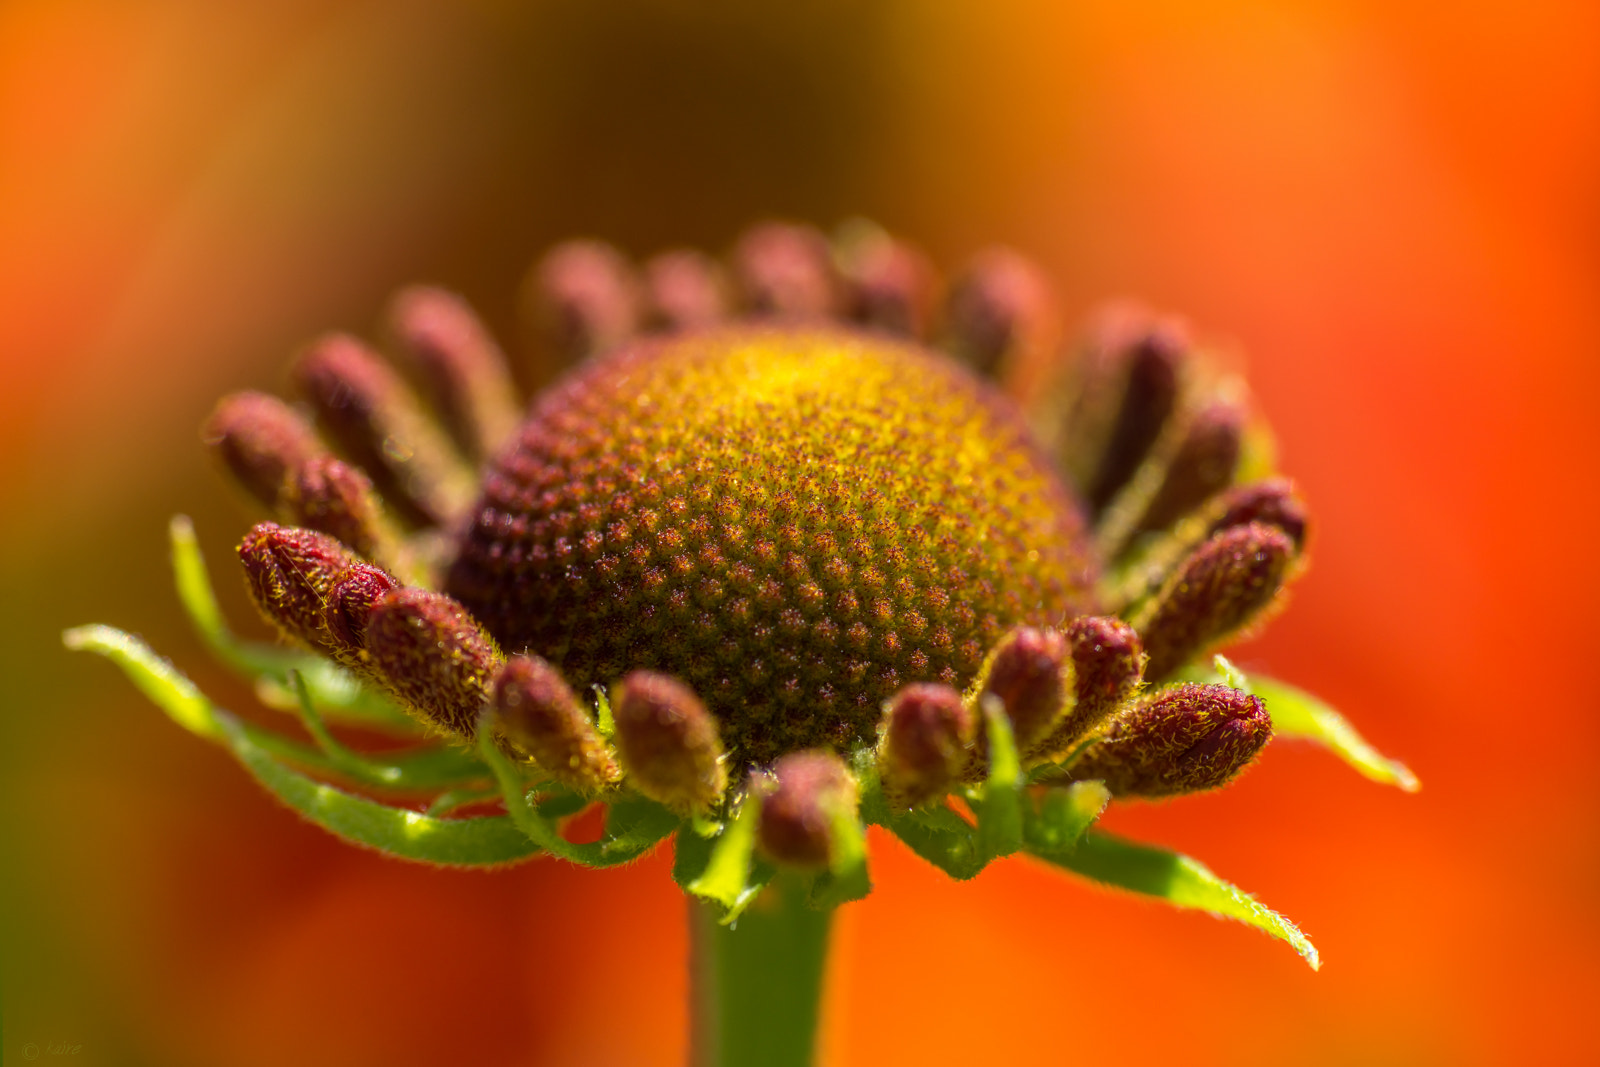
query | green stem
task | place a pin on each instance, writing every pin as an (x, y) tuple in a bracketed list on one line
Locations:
[(756, 986)]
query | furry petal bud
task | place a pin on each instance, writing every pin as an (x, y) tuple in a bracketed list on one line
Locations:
[(786, 271), (539, 714), (1203, 465), (465, 371), (584, 299), (889, 283), (1271, 503), (797, 816), (1181, 740), (1132, 375), (260, 439), (668, 742), (1030, 671), (684, 290), (1222, 586), (350, 603), (927, 742), (381, 426), (1000, 313), (434, 657), (334, 498), (290, 573), (1108, 664)]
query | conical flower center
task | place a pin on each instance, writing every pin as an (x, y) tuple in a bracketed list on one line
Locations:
[(794, 523)]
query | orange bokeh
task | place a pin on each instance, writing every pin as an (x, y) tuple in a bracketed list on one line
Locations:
[(1389, 210)]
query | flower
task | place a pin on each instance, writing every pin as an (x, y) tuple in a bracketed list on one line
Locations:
[(823, 550)]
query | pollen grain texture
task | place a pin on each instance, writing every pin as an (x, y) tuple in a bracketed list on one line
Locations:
[(793, 522)]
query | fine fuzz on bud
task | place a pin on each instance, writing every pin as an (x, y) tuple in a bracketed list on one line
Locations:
[(1218, 590), (290, 573), (334, 498), (684, 290), (464, 370), (668, 742), (1271, 503), (888, 283), (583, 299), (349, 607), (381, 426), (927, 742), (1133, 370), (1203, 464), (1030, 671), (1181, 740), (259, 439), (434, 657), (539, 715), (797, 817), (786, 271), (1108, 664), (1000, 313)]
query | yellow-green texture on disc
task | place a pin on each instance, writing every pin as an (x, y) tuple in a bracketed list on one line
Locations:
[(793, 521)]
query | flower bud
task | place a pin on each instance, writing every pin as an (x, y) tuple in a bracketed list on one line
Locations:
[(797, 816), (434, 657), (464, 370), (786, 271), (583, 299), (260, 439), (888, 283), (349, 607), (334, 498), (539, 715), (668, 742), (381, 426), (684, 290), (1030, 672), (1221, 587), (1133, 368), (927, 741), (1000, 313), (1203, 464), (1108, 662), (1181, 740), (1271, 503), (290, 573)]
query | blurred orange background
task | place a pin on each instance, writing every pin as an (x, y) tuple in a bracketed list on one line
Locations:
[(1394, 211)]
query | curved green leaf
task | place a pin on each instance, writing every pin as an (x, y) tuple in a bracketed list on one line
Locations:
[(1176, 879), (999, 805), (1296, 713), (1063, 815)]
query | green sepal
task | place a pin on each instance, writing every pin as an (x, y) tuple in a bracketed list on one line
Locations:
[(634, 825), (332, 688), (937, 834), (846, 878), (725, 869), (396, 831), (998, 804), (1176, 879), (1062, 817), (1296, 713)]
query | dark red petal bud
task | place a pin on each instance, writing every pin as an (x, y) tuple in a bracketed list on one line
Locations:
[(584, 299), (1001, 313), (786, 271), (259, 439), (1108, 664), (1133, 365), (1202, 466), (1218, 590), (1180, 740), (464, 370), (539, 715), (809, 789), (289, 573), (334, 498), (381, 426), (684, 289), (434, 657), (927, 742), (1030, 671), (668, 742), (1271, 503), (349, 606), (889, 283)]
